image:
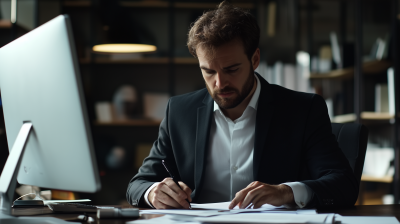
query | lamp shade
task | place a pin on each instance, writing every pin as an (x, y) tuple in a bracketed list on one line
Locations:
[(124, 48)]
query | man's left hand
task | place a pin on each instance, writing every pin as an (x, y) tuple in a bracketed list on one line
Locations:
[(259, 193)]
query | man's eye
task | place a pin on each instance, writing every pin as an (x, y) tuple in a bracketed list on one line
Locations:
[(233, 70)]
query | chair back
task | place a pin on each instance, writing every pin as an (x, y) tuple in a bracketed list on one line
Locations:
[(352, 139)]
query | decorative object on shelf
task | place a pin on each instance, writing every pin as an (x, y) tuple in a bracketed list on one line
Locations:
[(378, 161), (155, 105), (125, 101), (336, 50), (391, 91), (104, 111), (325, 59), (381, 98), (303, 72), (379, 49), (116, 158)]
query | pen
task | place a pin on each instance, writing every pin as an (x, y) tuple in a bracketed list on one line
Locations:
[(173, 177)]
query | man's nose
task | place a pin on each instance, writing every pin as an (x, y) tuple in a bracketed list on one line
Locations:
[(221, 81)]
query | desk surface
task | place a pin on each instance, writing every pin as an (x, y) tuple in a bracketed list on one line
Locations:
[(360, 210)]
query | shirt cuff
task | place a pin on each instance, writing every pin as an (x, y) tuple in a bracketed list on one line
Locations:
[(146, 195), (302, 193)]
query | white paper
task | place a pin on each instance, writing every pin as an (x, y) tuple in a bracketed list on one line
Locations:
[(225, 206), (307, 211), (366, 219), (264, 218), (186, 212), (166, 219)]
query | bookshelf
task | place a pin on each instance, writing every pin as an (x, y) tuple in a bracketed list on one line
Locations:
[(133, 122), (368, 68), (356, 84)]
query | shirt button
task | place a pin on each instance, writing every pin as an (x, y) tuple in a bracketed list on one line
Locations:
[(235, 168), (302, 204)]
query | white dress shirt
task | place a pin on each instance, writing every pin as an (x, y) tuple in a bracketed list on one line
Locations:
[(229, 163)]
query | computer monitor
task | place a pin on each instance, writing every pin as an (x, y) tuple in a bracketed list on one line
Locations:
[(45, 114)]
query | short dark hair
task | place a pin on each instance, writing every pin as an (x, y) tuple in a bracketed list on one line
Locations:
[(222, 25)]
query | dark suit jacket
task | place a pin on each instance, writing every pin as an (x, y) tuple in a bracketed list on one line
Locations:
[(293, 142)]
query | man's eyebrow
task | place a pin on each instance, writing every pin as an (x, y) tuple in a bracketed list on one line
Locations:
[(231, 66), (204, 68)]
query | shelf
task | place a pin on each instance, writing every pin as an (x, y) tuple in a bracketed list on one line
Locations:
[(165, 60), (145, 4), (189, 5), (5, 24), (371, 67), (83, 3), (345, 118), (370, 116), (133, 122), (159, 4), (385, 179), (376, 116)]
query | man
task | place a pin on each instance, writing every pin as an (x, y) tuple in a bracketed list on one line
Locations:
[(241, 138)]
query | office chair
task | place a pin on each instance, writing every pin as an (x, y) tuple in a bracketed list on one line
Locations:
[(352, 139)]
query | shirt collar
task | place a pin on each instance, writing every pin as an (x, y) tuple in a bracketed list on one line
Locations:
[(254, 99)]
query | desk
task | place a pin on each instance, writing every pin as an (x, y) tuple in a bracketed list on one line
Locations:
[(360, 210)]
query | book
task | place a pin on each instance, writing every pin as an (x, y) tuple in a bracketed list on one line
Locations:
[(335, 50), (377, 160), (289, 76), (391, 91), (155, 105), (104, 111), (381, 98), (303, 71), (277, 74)]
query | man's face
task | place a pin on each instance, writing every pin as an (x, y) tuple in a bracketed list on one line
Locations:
[(229, 75)]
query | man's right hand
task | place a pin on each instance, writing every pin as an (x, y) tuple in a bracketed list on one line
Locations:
[(168, 195)]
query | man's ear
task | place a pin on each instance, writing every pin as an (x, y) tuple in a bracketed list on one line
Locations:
[(255, 59)]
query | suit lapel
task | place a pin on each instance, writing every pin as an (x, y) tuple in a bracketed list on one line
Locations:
[(265, 110), (204, 115)]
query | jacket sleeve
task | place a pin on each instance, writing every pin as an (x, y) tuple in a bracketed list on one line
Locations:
[(332, 179), (152, 169)]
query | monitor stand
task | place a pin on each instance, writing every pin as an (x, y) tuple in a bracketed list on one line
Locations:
[(8, 181)]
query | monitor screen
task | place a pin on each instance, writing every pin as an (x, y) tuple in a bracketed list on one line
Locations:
[(40, 84)]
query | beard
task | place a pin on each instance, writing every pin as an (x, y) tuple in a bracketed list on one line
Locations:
[(234, 101)]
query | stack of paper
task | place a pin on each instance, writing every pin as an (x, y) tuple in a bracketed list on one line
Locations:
[(219, 213)]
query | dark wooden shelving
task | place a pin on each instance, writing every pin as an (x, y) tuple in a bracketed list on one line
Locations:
[(133, 122), (5, 24), (369, 68), (384, 179), (159, 4), (368, 116), (163, 60)]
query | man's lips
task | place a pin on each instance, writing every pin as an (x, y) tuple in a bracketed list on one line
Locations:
[(224, 95)]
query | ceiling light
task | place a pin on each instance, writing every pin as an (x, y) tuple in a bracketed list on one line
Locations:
[(124, 48)]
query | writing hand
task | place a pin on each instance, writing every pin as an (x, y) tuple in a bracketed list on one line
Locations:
[(168, 195), (260, 193)]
